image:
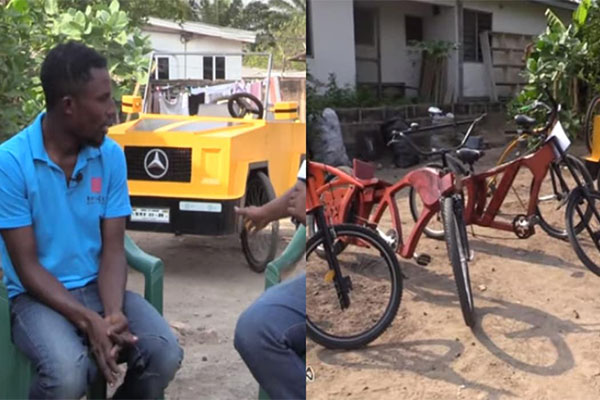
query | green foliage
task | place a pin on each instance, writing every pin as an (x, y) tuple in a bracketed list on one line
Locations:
[(434, 48), (557, 63), (321, 95), (30, 28)]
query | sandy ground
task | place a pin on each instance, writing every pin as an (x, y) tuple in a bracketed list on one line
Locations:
[(537, 333), (207, 285)]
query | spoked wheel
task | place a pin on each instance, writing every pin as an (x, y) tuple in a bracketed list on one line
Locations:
[(585, 240), (259, 247), (458, 252), (435, 227), (375, 280), (553, 196)]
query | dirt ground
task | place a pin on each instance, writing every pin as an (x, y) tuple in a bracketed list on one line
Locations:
[(537, 333), (207, 285)]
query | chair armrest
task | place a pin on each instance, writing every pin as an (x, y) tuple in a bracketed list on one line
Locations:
[(290, 256), (153, 270)]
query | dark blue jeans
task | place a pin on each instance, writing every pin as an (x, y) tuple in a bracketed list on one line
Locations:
[(62, 358), (271, 338)]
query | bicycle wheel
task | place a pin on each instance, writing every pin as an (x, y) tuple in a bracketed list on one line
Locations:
[(376, 289), (588, 126), (585, 241), (553, 196), (458, 252), (435, 227)]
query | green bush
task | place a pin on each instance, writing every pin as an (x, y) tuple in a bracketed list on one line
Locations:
[(30, 28)]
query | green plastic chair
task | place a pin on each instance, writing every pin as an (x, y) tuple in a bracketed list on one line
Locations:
[(16, 370), (290, 256)]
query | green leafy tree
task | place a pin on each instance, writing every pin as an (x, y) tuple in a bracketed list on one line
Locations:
[(32, 27)]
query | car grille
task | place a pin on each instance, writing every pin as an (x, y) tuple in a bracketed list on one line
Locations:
[(179, 169)]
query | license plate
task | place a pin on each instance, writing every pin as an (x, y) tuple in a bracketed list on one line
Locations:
[(142, 214)]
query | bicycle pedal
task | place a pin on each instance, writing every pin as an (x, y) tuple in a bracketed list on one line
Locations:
[(423, 259)]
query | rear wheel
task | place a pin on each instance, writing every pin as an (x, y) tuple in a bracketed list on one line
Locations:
[(259, 247), (458, 252), (435, 227)]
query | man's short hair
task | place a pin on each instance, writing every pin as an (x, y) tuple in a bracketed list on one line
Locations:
[(65, 70)]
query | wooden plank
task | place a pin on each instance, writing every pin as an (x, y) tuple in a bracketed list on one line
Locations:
[(484, 41)]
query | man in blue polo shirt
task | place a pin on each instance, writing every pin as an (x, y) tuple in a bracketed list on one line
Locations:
[(64, 201)]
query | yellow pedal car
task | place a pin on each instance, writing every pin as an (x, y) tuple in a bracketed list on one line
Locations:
[(186, 173)]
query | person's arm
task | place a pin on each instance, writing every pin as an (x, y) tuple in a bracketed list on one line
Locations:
[(112, 277), (41, 284)]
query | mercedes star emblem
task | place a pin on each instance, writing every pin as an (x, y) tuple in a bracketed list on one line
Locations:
[(156, 163)]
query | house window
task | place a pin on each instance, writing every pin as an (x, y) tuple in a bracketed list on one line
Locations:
[(220, 67), (309, 47), (162, 68), (208, 68), (473, 24), (364, 26), (414, 29)]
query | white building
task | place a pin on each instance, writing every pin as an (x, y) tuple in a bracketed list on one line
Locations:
[(172, 37), (366, 41)]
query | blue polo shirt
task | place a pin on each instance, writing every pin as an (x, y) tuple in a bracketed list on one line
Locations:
[(66, 220)]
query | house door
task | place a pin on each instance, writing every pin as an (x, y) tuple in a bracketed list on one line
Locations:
[(367, 47)]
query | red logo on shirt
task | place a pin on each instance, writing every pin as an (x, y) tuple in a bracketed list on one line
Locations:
[(96, 185)]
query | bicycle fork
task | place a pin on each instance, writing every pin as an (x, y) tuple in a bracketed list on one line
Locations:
[(343, 284)]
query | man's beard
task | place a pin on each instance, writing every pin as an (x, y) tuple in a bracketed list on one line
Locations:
[(95, 143)]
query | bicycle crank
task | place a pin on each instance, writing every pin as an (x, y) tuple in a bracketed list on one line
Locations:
[(523, 227)]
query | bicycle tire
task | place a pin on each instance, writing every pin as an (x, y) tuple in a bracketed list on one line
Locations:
[(577, 197), (361, 339), (588, 126), (430, 232), (549, 228), (458, 253)]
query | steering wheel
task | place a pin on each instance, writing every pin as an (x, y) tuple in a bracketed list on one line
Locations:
[(241, 104)]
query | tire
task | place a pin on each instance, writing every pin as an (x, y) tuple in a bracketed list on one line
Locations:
[(259, 248), (585, 240), (550, 216), (321, 297), (433, 232), (588, 126), (458, 252)]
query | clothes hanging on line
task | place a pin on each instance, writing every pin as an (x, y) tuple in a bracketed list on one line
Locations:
[(178, 106)]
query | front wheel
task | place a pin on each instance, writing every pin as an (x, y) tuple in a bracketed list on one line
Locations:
[(371, 270), (259, 247), (458, 251), (585, 240)]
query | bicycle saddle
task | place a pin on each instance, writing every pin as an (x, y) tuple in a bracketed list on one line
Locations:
[(524, 121), (469, 156)]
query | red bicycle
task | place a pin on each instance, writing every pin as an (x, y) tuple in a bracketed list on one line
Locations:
[(364, 201)]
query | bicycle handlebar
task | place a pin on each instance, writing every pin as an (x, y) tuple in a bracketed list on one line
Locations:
[(402, 134)]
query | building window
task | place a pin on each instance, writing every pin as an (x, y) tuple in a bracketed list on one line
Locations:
[(162, 68), (208, 68), (473, 24), (309, 46), (414, 29), (220, 67), (364, 26)]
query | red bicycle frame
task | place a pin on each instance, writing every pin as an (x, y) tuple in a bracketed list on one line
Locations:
[(345, 194)]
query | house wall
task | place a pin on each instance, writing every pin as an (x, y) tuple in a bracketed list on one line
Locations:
[(510, 17), (191, 67), (332, 29)]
